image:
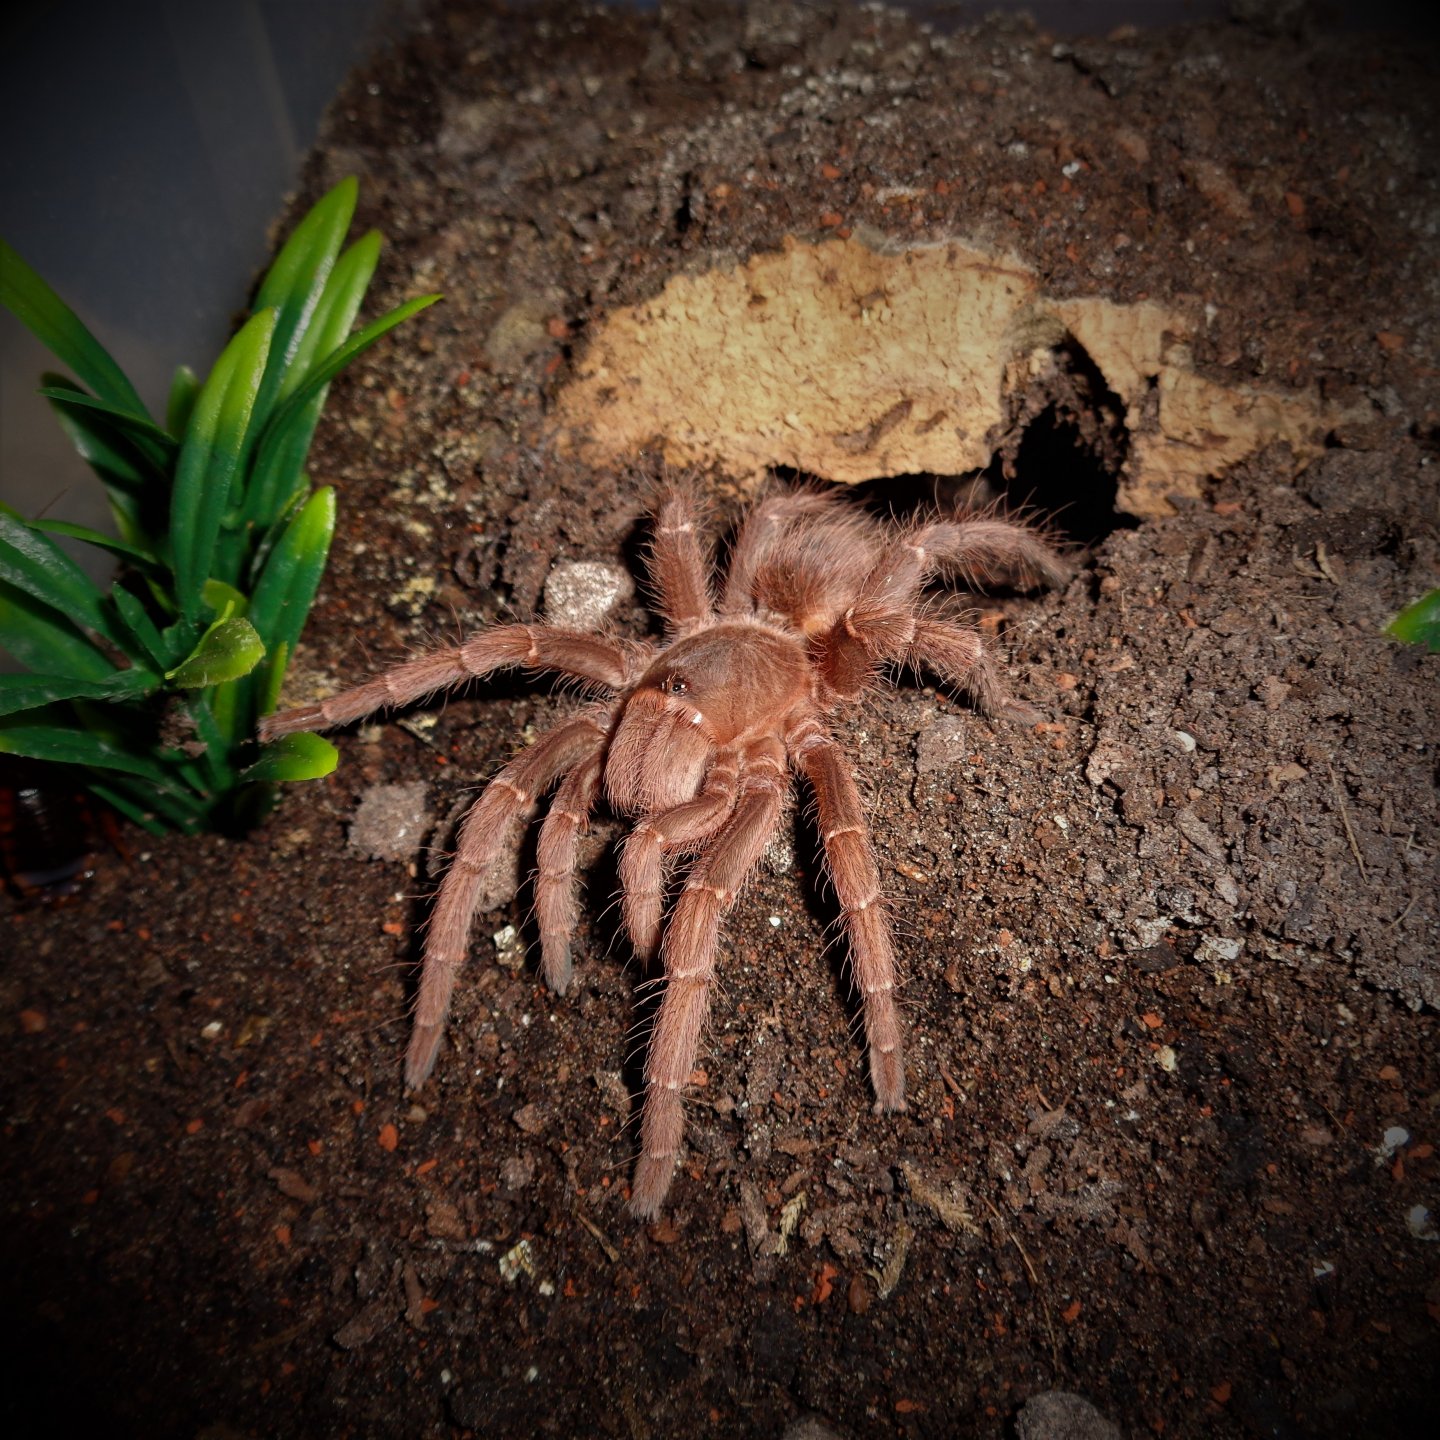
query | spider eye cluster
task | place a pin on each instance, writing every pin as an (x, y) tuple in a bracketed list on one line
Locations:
[(674, 685)]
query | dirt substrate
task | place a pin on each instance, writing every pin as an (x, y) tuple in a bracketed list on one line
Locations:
[(1170, 955)]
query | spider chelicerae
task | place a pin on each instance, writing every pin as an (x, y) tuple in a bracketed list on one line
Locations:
[(697, 737)]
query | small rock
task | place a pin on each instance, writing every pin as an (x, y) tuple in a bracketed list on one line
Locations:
[(518, 1171), (509, 948), (1199, 834), (363, 1327), (390, 822), (530, 1118), (1227, 890), (1420, 1224), (941, 745), (520, 333), (295, 1185), (579, 594), (1395, 1138), (810, 1428), (1218, 950), (1155, 959), (1286, 774), (442, 1220), (1110, 757), (1061, 1415)]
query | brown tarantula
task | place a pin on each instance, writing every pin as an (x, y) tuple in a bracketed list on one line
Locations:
[(696, 737)]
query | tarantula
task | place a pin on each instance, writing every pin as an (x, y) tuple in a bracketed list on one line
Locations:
[(696, 737)]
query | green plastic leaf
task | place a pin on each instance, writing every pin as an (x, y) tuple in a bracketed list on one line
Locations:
[(272, 677), (41, 638), (210, 456), (276, 475), (1419, 623), (60, 330), (296, 281), (141, 627), (39, 567), (286, 588), (227, 650), (148, 807), (29, 692), (294, 757), (209, 728), (286, 440), (184, 391), (140, 428), (284, 594), (224, 600), (338, 359), (179, 639), (61, 742), (137, 485), (339, 305), (138, 556)]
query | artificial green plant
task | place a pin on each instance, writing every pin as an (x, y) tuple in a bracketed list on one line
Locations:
[(1419, 622), (152, 688)]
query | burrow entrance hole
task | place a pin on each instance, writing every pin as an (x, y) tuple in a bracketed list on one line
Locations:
[(1058, 460)]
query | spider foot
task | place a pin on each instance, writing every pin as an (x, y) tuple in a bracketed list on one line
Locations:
[(651, 1185), (661, 1127), (421, 1056), (1019, 712), (887, 1074), (555, 966)]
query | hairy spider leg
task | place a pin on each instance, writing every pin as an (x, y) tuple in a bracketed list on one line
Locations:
[(556, 911), (504, 799), (982, 549), (656, 837), (677, 567), (882, 625), (850, 859), (688, 954), (763, 526), (536, 647), (958, 655)]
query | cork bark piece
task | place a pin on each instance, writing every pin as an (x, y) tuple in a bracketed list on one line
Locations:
[(852, 359)]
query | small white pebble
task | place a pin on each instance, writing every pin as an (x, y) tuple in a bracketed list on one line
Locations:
[(1420, 1225), (1391, 1141), (775, 921), (517, 1261), (213, 1030), (509, 947), (1166, 1059), (581, 593), (1218, 948), (1185, 740)]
